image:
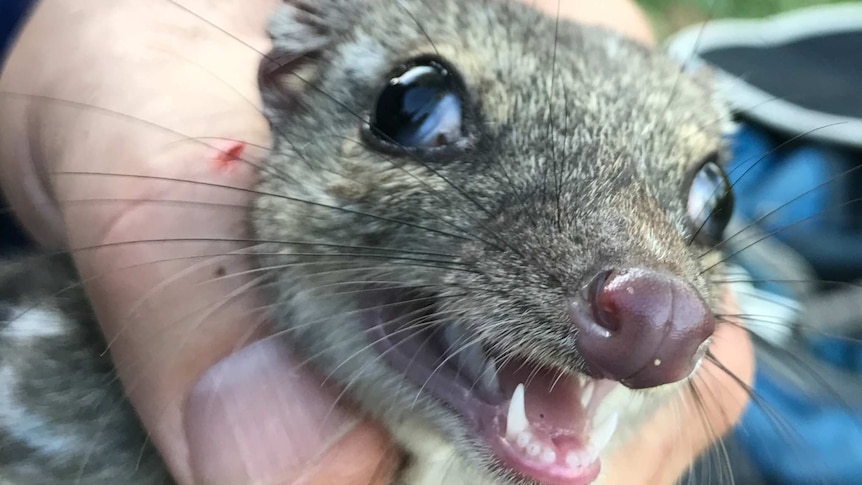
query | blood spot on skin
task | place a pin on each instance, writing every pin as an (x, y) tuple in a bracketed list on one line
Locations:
[(227, 154)]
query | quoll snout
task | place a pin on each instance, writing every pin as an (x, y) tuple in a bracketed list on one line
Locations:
[(641, 327)]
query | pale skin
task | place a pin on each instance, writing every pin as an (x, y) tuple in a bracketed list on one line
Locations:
[(256, 417)]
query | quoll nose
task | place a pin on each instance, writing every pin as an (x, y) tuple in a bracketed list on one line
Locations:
[(641, 327)]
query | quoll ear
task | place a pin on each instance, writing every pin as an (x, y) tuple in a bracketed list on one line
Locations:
[(300, 31), (299, 27)]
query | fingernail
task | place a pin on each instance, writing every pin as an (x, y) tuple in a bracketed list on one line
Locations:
[(257, 418)]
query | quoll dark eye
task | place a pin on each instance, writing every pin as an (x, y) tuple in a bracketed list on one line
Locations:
[(710, 202), (420, 108)]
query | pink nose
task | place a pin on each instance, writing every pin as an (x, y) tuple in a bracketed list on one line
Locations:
[(641, 327)]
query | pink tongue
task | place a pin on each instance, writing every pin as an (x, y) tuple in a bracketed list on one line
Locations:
[(553, 450)]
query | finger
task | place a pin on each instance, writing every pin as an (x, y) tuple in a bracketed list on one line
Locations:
[(168, 322), (258, 406), (623, 16)]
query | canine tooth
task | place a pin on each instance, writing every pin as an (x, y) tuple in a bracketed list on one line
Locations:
[(516, 420), (523, 439), (602, 433), (587, 393), (533, 449), (548, 456)]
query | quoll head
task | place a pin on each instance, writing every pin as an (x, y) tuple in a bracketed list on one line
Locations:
[(493, 222)]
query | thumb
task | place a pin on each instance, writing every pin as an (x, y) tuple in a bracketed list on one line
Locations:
[(257, 418)]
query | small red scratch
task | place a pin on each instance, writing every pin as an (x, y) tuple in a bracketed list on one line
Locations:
[(227, 154)]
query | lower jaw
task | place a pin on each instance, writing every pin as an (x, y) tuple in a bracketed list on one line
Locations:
[(540, 471), (488, 422)]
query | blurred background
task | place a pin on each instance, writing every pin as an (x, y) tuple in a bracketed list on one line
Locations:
[(671, 15)]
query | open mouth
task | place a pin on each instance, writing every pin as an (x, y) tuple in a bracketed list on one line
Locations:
[(539, 422)]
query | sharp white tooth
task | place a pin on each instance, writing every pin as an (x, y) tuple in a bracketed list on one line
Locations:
[(602, 433), (523, 439), (548, 456), (587, 393), (516, 420), (533, 449), (573, 459)]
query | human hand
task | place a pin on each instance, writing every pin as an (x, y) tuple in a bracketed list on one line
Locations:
[(154, 61), (258, 416)]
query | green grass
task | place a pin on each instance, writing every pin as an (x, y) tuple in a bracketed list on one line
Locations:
[(671, 15)]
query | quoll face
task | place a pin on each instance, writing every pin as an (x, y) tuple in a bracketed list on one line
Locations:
[(497, 221)]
